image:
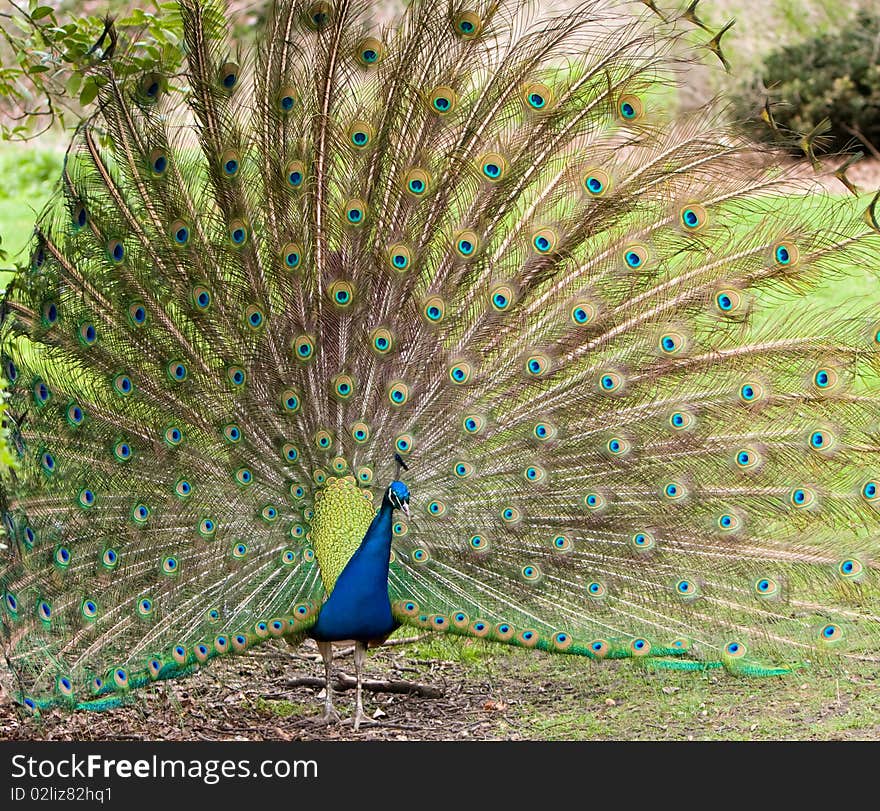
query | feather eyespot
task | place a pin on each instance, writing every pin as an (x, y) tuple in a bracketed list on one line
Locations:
[(600, 648), (544, 241), (534, 474), (618, 447), (286, 99), (398, 393), (674, 491), (538, 97), (176, 371), (399, 257), (562, 544), (341, 293), (747, 459), (636, 257), (381, 341), (851, 569), (416, 182), (537, 365), (79, 217), (122, 385), (434, 309), (595, 502), (729, 302), (230, 163), (319, 15), (822, 440), (640, 647), (596, 590), (116, 251), (830, 634), (630, 108), (238, 233), (501, 297), (693, 217), (462, 470), (681, 420), (369, 52), (42, 394), (460, 373), (137, 314), (478, 543), (183, 488), (158, 162), (355, 212), (825, 379), (643, 541), (323, 440), (254, 318), (89, 608), (232, 433), (766, 588), (752, 392), (735, 650), (531, 573), (207, 528), (360, 134), (87, 333), (544, 431), (122, 451), (360, 432), (442, 100), (785, 254), (582, 312), (802, 497), (596, 182), (467, 24), (473, 423), (343, 386), (611, 382), (140, 514), (295, 175), (466, 244), (229, 76), (493, 167)]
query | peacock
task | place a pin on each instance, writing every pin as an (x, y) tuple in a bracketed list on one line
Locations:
[(449, 324)]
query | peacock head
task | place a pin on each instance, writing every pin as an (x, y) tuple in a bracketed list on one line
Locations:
[(397, 495)]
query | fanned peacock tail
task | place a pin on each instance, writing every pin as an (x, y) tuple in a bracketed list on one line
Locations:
[(472, 240)]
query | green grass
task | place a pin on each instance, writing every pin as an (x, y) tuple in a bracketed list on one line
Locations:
[(29, 176)]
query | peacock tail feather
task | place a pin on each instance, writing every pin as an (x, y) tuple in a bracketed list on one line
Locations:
[(473, 240)]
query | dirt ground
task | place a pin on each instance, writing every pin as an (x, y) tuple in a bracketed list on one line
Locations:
[(484, 694)]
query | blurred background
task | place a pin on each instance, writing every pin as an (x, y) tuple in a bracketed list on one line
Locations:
[(813, 59)]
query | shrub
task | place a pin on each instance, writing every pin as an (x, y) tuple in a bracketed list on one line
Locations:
[(833, 75)]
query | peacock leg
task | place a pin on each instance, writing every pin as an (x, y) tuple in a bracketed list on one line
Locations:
[(360, 655), (330, 715)]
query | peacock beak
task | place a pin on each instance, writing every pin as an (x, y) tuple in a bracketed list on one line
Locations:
[(405, 507)]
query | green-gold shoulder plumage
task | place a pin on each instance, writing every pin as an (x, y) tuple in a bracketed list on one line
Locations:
[(473, 241)]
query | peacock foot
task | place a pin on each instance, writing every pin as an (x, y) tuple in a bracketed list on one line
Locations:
[(330, 716), (361, 718)]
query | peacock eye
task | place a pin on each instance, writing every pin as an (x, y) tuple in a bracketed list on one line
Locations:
[(229, 75), (630, 108), (693, 217), (596, 182)]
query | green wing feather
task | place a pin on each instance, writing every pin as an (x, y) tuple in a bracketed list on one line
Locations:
[(475, 241)]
